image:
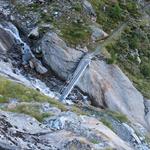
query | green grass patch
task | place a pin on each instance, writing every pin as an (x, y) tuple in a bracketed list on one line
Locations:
[(106, 123), (119, 116), (147, 139), (31, 110), (76, 33), (78, 7), (78, 110), (133, 44), (110, 14), (95, 141), (26, 9), (10, 89)]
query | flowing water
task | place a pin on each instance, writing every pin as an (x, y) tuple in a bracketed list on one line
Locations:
[(25, 49), (8, 70)]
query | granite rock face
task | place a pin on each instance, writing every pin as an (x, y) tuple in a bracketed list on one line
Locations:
[(88, 127), (5, 45), (30, 134), (108, 87), (61, 58), (24, 132), (105, 84), (88, 7), (97, 33)]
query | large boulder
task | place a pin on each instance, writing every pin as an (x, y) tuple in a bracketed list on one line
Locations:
[(109, 87), (61, 58), (97, 33), (19, 131), (89, 8), (88, 127)]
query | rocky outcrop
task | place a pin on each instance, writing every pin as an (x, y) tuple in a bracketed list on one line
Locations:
[(34, 34), (88, 127), (5, 7), (109, 87), (20, 131), (147, 105), (61, 58), (25, 2), (70, 131), (35, 63), (97, 33), (106, 84), (88, 7), (10, 38)]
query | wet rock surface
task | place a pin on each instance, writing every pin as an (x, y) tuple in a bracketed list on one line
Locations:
[(23, 61), (39, 61)]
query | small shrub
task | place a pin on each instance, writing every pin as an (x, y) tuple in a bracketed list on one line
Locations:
[(132, 8), (145, 69), (2, 99), (116, 11), (78, 7), (134, 42), (113, 58)]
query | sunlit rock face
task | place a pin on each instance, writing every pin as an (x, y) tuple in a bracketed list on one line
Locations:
[(27, 131), (109, 87), (41, 50)]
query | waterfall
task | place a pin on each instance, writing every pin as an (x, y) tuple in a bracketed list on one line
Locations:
[(6, 69), (25, 49)]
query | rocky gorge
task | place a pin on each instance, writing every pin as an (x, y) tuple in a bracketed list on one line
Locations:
[(41, 45)]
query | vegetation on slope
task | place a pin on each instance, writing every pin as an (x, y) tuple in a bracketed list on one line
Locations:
[(12, 90), (132, 52), (110, 13), (73, 21)]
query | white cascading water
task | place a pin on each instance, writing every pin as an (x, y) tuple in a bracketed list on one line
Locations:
[(26, 51), (7, 69)]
